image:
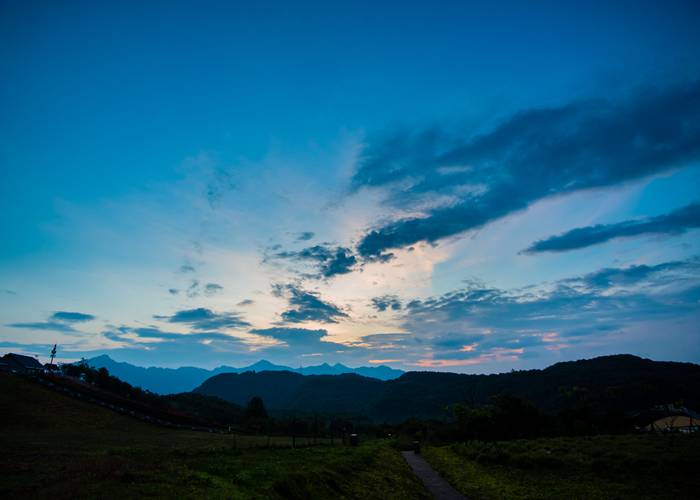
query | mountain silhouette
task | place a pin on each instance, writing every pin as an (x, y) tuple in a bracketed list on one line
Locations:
[(619, 384), (186, 378)]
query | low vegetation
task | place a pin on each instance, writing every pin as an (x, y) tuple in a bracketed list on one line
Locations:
[(58, 447), (598, 467)]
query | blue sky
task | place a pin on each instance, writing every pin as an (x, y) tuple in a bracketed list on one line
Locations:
[(454, 185)]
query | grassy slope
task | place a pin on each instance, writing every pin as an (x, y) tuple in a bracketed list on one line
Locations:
[(601, 467), (55, 446)]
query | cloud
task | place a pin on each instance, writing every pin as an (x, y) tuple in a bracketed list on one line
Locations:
[(676, 222), (55, 326), (205, 319), (490, 324), (246, 302), (385, 302), (220, 184), (173, 291), (293, 336), (329, 261), (664, 275), (146, 335), (386, 341), (306, 306), (193, 290), (212, 289), (533, 155), (305, 236), (60, 321), (187, 268), (71, 317), (297, 342)]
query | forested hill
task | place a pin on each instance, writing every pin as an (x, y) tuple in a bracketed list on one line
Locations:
[(620, 383)]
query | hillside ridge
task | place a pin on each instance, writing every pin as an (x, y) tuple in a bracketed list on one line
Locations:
[(618, 383)]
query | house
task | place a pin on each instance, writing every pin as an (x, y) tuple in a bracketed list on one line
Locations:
[(21, 364)]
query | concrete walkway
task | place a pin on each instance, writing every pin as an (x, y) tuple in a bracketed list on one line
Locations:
[(435, 484)]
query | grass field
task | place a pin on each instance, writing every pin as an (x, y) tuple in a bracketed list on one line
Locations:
[(54, 446), (601, 467)]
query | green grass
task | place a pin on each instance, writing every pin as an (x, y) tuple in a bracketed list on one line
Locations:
[(54, 446), (601, 467)]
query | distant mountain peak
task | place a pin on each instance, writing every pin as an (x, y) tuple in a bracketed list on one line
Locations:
[(264, 364), (186, 378), (101, 357)]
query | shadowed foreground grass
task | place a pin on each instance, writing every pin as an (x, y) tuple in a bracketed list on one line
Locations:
[(600, 467), (58, 447)]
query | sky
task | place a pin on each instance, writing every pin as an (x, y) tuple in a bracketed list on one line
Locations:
[(466, 186)]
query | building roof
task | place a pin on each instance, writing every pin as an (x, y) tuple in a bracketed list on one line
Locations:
[(674, 422), (26, 362)]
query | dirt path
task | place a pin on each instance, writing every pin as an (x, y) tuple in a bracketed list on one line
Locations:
[(436, 485)]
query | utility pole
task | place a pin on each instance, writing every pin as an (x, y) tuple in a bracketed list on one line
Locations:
[(53, 353)]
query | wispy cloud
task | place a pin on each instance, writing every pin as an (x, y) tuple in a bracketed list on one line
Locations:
[(533, 155), (59, 321), (211, 289), (676, 222), (205, 319), (305, 236), (142, 335), (54, 326)]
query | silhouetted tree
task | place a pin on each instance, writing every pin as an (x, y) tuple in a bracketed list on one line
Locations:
[(256, 409), (256, 415)]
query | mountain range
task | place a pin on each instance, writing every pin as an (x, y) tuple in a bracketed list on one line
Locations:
[(186, 378), (619, 384)]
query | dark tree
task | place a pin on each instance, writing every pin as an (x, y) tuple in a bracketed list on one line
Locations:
[(256, 418), (256, 409)]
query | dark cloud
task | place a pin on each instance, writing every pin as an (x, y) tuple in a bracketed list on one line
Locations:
[(664, 274), (306, 306), (71, 317), (205, 319), (676, 222), (329, 261), (173, 291), (9, 292), (305, 236), (533, 155), (55, 326), (481, 321), (246, 302), (386, 302), (146, 334), (60, 321), (212, 289)]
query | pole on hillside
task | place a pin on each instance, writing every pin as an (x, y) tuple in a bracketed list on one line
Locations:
[(53, 353)]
